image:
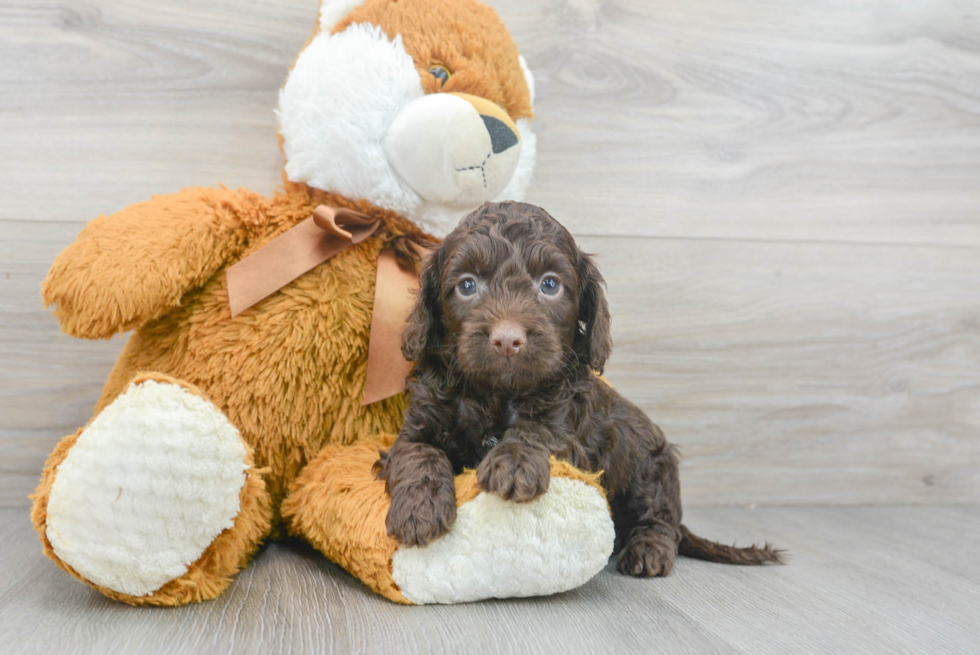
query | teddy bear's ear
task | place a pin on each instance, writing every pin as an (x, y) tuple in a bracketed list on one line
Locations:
[(528, 76), (331, 11)]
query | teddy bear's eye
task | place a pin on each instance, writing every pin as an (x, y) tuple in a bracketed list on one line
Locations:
[(441, 73)]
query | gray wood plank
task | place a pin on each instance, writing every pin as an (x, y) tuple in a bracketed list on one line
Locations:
[(49, 382), (105, 103), (860, 580), (803, 373), (788, 373), (800, 313), (807, 372), (847, 121), (765, 119)]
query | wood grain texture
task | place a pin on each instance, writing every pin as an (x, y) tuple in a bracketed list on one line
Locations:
[(860, 580), (786, 372), (764, 119), (842, 121), (783, 197), (800, 373)]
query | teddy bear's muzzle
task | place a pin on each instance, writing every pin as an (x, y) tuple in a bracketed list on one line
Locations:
[(453, 149)]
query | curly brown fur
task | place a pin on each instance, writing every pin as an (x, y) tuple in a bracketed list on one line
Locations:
[(510, 326), (423, 498)]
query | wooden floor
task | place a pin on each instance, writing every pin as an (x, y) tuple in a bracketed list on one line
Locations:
[(784, 197), (860, 580)]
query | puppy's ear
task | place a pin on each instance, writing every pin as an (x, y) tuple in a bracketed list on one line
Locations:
[(592, 340), (424, 330)]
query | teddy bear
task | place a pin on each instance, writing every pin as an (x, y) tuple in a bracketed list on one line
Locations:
[(262, 376)]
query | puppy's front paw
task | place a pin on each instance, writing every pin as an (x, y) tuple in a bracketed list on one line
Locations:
[(515, 471), (647, 555), (421, 511)]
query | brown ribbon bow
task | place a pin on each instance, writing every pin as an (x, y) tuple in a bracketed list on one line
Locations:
[(302, 248)]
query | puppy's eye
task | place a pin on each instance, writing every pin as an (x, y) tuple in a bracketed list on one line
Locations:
[(441, 73), (550, 285), (466, 287)]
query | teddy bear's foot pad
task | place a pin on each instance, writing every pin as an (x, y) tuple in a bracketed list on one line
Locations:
[(150, 483), (502, 549)]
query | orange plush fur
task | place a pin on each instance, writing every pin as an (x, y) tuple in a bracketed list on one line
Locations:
[(467, 38), (288, 372)]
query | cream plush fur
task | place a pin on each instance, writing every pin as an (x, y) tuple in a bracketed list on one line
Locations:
[(500, 538), (333, 139), (160, 469)]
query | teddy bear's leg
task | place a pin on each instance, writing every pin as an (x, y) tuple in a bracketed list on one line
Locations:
[(495, 549), (155, 501)]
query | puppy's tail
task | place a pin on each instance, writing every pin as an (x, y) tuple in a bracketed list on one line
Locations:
[(699, 548)]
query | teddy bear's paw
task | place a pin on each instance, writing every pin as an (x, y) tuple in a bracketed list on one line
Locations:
[(502, 549), (150, 483)]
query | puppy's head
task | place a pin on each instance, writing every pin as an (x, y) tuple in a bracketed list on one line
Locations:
[(511, 300)]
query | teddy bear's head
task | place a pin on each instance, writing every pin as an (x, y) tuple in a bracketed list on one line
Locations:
[(422, 107)]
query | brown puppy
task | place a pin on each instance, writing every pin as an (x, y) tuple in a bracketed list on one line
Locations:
[(507, 333)]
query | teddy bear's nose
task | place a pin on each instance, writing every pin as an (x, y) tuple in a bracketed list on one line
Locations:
[(501, 136)]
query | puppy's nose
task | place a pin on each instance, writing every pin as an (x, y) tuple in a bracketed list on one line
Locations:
[(507, 338)]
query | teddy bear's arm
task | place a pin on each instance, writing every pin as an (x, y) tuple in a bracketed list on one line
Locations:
[(133, 266)]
